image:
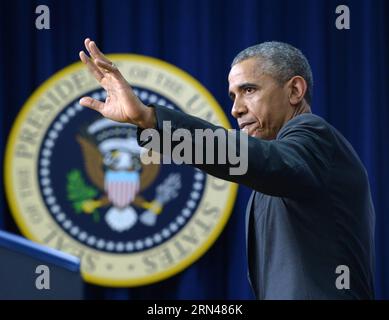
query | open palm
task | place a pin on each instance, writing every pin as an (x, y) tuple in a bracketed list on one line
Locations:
[(121, 104)]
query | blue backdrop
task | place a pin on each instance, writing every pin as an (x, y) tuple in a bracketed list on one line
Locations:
[(351, 84)]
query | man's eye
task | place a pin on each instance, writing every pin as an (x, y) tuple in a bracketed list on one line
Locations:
[(249, 90)]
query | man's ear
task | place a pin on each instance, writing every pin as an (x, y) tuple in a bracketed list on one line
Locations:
[(298, 88)]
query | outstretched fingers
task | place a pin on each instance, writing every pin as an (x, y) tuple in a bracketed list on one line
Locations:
[(107, 66), (103, 64), (91, 66), (94, 51), (87, 42)]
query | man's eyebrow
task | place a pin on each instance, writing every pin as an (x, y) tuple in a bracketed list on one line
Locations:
[(243, 86), (247, 85)]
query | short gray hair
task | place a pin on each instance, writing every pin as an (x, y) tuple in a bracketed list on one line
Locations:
[(281, 61)]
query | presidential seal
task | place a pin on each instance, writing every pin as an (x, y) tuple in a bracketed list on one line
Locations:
[(75, 181)]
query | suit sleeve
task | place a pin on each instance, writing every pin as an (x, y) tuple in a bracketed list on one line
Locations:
[(294, 165)]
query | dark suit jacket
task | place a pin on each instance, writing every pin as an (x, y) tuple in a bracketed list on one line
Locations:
[(310, 219)]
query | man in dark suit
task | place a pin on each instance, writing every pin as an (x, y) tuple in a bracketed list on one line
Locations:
[(310, 219)]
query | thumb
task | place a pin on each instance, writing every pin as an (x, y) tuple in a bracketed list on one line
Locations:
[(91, 103)]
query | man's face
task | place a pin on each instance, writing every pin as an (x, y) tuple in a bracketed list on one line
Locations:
[(261, 104)]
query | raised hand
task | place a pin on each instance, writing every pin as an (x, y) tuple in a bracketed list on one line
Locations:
[(121, 104)]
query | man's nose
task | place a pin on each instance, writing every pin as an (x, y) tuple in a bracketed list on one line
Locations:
[(238, 109)]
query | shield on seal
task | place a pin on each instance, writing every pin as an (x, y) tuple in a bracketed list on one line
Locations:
[(121, 187)]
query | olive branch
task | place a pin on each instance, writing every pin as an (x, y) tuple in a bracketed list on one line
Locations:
[(78, 192)]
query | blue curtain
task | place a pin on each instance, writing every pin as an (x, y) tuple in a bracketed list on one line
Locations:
[(350, 70)]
